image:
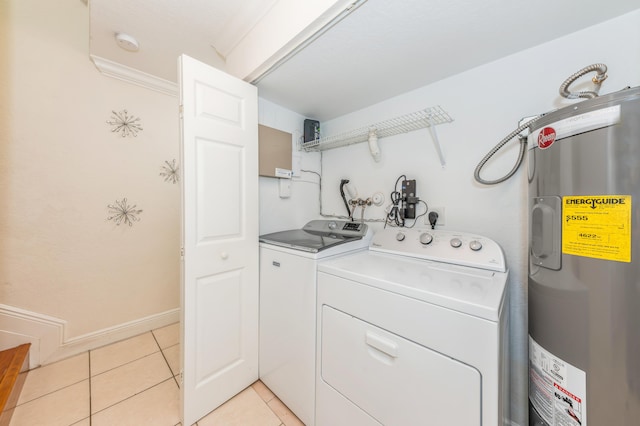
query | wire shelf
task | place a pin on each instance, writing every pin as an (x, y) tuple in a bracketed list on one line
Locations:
[(407, 123)]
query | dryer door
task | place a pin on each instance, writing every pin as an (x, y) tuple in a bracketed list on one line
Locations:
[(396, 381)]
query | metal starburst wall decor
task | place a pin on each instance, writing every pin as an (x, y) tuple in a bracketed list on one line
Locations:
[(170, 171), (125, 124), (122, 213)]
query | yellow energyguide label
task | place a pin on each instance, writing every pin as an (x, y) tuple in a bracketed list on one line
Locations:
[(597, 226)]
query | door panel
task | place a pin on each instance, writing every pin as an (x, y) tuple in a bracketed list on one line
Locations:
[(217, 104), (225, 291), (220, 237), (220, 172)]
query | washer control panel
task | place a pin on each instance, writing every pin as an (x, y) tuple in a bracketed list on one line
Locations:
[(458, 248), (336, 227)]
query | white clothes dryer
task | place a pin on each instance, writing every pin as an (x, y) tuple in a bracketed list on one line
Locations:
[(414, 332), (288, 271)]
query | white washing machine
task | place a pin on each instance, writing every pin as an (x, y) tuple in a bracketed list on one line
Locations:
[(288, 271), (414, 332)]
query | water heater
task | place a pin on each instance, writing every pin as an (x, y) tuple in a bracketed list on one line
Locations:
[(584, 263)]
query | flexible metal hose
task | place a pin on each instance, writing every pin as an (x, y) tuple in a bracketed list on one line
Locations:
[(503, 142), (601, 69)]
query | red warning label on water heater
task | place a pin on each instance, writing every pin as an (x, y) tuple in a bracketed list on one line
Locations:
[(546, 137), (557, 389)]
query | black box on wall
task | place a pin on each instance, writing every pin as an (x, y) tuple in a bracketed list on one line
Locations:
[(311, 130)]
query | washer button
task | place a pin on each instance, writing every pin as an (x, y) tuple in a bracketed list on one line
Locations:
[(400, 236), (475, 245), (455, 242), (426, 238)]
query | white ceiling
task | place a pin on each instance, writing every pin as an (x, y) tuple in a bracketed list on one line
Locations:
[(204, 29), (382, 49)]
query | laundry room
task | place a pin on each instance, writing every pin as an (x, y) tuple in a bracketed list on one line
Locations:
[(92, 170)]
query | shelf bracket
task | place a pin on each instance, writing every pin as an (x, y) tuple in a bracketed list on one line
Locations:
[(436, 141)]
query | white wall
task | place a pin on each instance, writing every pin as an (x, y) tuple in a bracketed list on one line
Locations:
[(486, 104), (61, 166), (277, 214)]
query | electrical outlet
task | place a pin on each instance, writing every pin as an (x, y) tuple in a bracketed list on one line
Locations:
[(441, 216)]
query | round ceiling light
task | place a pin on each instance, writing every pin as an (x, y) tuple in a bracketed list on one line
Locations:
[(127, 42)]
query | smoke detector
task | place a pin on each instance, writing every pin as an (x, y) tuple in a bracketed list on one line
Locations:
[(127, 42)]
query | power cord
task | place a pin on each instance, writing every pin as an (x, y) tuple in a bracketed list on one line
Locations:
[(433, 219), (395, 215), (426, 209)]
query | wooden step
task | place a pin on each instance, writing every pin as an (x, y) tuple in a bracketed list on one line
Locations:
[(11, 363)]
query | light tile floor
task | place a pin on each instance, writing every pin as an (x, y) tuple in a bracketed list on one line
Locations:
[(132, 382)]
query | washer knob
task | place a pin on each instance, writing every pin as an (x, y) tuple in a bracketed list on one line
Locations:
[(332, 225), (426, 238), (475, 245), (456, 242), (400, 236)]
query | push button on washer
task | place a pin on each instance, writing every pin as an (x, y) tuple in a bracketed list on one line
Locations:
[(475, 245)]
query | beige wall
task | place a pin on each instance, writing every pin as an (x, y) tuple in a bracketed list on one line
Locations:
[(61, 166)]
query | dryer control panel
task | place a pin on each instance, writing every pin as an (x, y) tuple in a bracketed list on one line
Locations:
[(459, 248)]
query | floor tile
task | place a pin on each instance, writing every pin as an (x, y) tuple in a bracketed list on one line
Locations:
[(168, 336), (131, 384), (283, 413), (262, 390), (117, 354), (52, 377), (245, 409), (158, 406), (61, 408), (172, 355), (123, 382)]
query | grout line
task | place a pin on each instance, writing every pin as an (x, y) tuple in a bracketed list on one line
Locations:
[(48, 393), (131, 396), (128, 362), (27, 373), (166, 360), (90, 398)]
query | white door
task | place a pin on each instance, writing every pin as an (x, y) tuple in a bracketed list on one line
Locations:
[(219, 236)]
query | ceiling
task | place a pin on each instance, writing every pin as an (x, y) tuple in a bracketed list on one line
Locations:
[(380, 50), (207, 30)]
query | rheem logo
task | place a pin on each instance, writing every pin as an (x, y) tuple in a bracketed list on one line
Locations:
[(546, 137)]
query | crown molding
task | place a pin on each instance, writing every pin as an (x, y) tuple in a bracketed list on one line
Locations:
[(134, 76)]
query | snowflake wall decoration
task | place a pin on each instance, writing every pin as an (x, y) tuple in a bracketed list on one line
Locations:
[(170, 171), (121, 212), (125, 124)]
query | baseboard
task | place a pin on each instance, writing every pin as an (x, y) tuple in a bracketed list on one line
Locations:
[(47, 335), (94, 340), (19, 326)]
